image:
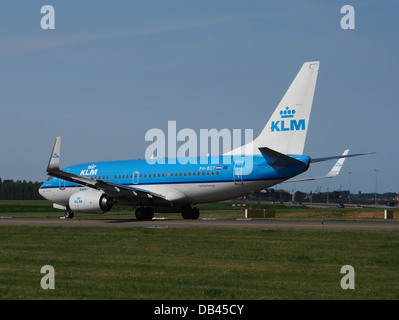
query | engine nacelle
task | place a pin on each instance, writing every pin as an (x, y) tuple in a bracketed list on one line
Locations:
[(90, 201)]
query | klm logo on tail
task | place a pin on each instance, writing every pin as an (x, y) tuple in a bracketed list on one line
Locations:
[(288, 124)]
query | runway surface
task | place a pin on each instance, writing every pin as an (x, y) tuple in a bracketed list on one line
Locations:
[(387, 225)]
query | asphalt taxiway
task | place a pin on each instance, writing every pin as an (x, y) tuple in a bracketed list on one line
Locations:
[(372, 225)]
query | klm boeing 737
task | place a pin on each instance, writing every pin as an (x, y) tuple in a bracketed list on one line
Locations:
[(275, 156)]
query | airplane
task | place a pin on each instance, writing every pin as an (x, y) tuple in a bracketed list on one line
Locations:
[(276, 155)]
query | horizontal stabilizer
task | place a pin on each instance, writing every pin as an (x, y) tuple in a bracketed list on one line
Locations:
[(331, 174), (338, 157), (277, 159)]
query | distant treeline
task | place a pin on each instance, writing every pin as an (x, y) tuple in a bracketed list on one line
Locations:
[(19, 190), (333, 196), (23, 190)]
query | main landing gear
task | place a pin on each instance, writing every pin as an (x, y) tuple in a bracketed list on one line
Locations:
[(190, 213), (144, 213), (147, 213)]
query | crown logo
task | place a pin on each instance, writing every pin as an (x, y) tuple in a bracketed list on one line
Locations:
[(287, 113)]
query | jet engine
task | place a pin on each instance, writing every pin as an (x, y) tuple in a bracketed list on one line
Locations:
[(90, 201)]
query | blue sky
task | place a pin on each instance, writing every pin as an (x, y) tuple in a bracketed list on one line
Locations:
[(112, 70)]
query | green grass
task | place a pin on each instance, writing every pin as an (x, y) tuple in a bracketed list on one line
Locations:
[(44, 209), (139, 263)]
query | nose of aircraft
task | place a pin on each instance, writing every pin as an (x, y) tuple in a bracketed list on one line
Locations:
[(44, 189)]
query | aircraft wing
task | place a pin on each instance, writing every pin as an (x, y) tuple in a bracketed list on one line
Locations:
[(114, 190), (332, 173)]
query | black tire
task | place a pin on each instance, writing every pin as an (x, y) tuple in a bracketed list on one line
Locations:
[(69, 214), (195, 213), (144, 213), (190, 213)]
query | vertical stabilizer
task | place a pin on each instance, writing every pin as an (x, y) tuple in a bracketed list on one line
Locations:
[(286, 130)]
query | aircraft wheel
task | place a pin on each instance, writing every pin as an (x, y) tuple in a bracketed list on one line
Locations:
[(190, 213), (144, 213), (195, 213), (69, 214)]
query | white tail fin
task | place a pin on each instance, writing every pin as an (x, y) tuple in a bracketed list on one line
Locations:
[(286, 130)]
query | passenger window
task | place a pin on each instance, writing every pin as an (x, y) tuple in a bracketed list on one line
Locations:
[(203, 173), (217, 173), (185, 174), (163, 175), (171, 174)]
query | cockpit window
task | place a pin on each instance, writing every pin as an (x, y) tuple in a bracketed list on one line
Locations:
[(49, 178)]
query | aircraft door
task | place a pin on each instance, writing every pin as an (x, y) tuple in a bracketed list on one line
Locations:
[(237, 172), (61, 183), (136, 177)]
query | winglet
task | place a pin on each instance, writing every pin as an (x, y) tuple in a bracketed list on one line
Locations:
[(54, 162), (337, 167)]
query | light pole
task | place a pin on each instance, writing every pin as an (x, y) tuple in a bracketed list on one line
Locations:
[(349, 186), (375, 193)]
